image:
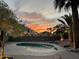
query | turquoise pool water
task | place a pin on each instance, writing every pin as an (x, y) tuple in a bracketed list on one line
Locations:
[(35, 45)]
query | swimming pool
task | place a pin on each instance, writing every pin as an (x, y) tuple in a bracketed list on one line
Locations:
[(33, 50), (36, 45)]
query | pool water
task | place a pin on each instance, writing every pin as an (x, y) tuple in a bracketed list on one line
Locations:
[(32, 49), (35, 45)]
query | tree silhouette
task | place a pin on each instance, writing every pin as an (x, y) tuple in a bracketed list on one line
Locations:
[(67, 19), (7, 22), (66, 4)]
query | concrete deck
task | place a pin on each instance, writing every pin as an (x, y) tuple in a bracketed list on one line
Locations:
[(19, 53)]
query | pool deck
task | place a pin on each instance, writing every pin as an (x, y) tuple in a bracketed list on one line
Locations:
[(66, 54)]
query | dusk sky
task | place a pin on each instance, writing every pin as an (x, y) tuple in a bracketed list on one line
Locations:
[(36, 14)]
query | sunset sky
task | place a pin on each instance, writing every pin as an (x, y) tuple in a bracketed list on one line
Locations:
[(36, 14)]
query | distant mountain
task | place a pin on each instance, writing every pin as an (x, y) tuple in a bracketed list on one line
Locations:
[(45, 33)]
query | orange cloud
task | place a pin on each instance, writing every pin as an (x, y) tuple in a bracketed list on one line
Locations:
[(38, 28), (35, 21)]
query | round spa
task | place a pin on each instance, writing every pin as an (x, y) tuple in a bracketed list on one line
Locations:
[(33, 50)]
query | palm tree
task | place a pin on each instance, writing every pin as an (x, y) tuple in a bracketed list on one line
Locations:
[(49, 29), (66, 4), (67, 19), (60, 29)]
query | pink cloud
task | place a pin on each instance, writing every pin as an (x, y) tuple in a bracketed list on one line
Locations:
[(34, 17), (30, 16)]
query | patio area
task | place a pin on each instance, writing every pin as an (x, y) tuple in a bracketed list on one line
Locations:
[(20, 53)]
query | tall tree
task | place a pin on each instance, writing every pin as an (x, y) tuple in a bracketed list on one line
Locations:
[(68, 19), (66, 4), (50, 29), (7, 19), (60, 29)]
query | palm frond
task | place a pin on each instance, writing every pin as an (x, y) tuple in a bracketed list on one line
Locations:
[(61, 21), (61, 5), (68, 19), (67, 6), (56, 2)]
